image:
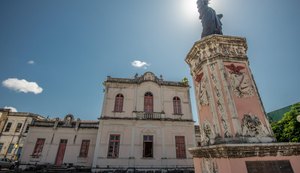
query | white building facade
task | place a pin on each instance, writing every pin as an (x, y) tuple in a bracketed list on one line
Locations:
[(58, 142), (146, 123), (14, 128)]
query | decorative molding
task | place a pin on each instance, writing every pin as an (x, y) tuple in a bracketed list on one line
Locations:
[(240, 82), (148, 131), (131, 118), (68, 120), (252, 126), (209, 165), (201, 89), (199, 77), (147, 76), (216, 125), (219, 100), (214, 47), (235, 69), (233, 115), (208, 135), (246, 150)]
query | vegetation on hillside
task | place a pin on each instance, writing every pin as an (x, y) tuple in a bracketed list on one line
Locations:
[(288, 128)]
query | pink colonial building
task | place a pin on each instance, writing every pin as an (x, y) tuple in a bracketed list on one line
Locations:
[(235, 134)]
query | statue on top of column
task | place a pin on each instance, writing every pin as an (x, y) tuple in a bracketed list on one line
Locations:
[(211, 22)]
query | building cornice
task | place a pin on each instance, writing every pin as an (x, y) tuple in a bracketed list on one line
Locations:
[(246, 150), (26, 114), (132, 118), (146, 77), (67, 122)]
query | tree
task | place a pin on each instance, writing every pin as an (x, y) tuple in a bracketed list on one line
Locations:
[(288, 128), (185, 81)]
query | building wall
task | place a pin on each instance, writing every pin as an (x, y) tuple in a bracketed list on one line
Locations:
[(134, 99), (3, 117), (131, 143), (238, 165), (132, 123), (12, 137), (52, 139)]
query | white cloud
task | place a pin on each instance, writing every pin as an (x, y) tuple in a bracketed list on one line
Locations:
[(12, 109), (22, 85), (139, 64), (31, 62)]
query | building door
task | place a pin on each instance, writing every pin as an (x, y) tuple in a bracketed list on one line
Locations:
[(61, 152)]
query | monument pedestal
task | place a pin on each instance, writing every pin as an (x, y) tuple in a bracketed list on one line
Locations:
[(236, 136), (247, 158)]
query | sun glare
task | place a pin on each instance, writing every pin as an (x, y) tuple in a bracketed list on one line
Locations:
[(190, 8), (215, 4)]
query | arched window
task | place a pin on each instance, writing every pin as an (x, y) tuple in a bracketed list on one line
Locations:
[(176, 105), (148, 102), (119, 103)]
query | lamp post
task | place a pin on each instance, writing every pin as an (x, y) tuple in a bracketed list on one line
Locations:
[(298, 118)]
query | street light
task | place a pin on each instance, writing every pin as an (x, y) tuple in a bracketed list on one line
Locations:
[(298, 118)]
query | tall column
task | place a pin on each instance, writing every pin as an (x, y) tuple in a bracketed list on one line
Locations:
[(236, 136), (229, 106)]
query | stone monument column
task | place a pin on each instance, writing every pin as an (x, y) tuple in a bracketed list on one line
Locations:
[(235, 134), (228, 103)]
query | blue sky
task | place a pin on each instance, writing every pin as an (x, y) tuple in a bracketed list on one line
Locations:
[(67, 48)]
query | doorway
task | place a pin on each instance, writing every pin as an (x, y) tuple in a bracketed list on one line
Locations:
[(61, 152)]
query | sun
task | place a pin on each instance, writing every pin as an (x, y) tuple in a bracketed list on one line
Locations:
[(190, 8)]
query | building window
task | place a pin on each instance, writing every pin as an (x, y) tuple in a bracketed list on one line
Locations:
[(148, 146), (198, 144), (148, 102), (27, 129), (1, 146), (19, 152), (19, 125), (38, 148), (10, 148), (84, 150), (119, 103), (177, 105), (113, 146), (7, 128), (180, 147)]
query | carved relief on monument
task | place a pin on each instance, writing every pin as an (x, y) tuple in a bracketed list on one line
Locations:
[(219, 100), (209, 165), (208, 134), (217, 47), (240, 82), (201, 89), (252, 126)]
